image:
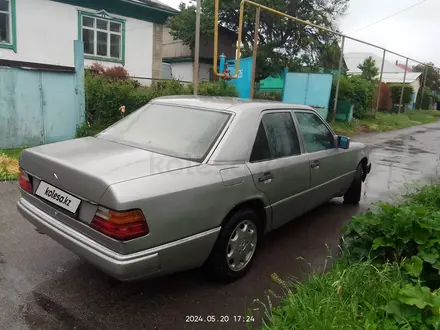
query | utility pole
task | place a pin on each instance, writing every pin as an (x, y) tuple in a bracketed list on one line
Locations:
[(254, 54), (197, 50)]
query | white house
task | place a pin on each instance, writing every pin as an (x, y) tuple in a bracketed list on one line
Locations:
[(393, 72), (115, 32)]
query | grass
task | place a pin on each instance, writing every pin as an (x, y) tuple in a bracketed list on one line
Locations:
[(9, 168), (349, 296), (12, 153), (387, 277), (386, 122)]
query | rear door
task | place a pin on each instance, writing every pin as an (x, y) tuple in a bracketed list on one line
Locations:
[(329, 165), (278, 167)]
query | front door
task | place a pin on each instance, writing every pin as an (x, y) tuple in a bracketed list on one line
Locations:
[(330, 166), (278, 167)]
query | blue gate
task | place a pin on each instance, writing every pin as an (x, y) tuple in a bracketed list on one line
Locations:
[(243, 82), (312, 89), (38, 107)]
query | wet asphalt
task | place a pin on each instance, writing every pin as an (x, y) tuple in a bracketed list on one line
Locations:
[(45, 286)]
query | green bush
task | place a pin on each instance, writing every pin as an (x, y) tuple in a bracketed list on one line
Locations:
[(408, 233), (217, 88), (89, 130), (271, 96), (357, 91), (105, 95), (396, 92), (427, 98)]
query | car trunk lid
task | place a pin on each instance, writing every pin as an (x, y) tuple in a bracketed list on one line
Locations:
[(86, 167)]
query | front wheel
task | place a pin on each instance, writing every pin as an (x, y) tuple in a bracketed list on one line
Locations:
[(234, 251), (353, 194)]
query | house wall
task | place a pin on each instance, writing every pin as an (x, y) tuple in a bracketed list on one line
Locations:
[(416, 85), (183, 71), (157, 51), (204, 71), (46, 30), (173, 48), (226, 45)]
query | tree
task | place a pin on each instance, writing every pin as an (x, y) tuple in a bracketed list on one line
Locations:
[(330, 53), (432, 77), (183, 25), (428, 98), (282, 42), (396, 93), (369, 69)]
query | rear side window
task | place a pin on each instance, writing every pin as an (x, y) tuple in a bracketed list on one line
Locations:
[(276, 137)]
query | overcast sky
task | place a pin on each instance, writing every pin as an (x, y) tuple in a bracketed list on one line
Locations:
[(414, 33)]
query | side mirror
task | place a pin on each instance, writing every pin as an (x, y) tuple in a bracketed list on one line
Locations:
[(343, 142)]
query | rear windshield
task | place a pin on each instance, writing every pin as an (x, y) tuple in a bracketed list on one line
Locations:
[(170, 130)]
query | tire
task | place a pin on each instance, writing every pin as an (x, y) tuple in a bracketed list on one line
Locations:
[(224, 262), (353, 194)]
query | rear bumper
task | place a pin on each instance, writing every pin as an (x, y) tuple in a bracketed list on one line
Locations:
[(186, 253)]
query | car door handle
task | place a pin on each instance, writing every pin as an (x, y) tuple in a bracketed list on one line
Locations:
[(266, 176), (314, 164)]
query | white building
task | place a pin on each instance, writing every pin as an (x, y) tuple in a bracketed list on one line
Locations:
[(393, 72), (353, 60), (115, 32)]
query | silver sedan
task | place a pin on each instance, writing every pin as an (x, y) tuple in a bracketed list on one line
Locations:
[(186, 182)]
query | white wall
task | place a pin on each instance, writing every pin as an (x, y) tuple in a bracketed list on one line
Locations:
[(416, 85), (183, 71), (46, 31), (204, 69)]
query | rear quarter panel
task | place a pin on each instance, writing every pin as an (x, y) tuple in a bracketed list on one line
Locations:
[(181, 203)]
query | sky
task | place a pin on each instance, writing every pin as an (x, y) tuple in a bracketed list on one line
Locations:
[(414, 32)]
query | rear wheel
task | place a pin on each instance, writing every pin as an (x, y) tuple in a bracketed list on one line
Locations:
[(353, 194), (234, 251)]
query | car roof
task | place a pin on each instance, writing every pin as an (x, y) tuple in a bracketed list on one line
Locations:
[(220, 103)]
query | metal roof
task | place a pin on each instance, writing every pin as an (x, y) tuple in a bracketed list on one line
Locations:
[(353, 60), (392, 73), (398, 77)]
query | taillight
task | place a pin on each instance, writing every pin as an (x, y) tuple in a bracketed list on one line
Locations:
[(120, 225), (24, 181)]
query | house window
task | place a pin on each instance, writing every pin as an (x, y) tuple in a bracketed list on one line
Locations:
[(103, 37), (7, 24)]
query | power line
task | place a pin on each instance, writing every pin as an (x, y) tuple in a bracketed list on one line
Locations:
[(392, 15)]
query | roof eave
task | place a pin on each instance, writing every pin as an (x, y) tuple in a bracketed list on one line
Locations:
[(126, 8), (171, 12)]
